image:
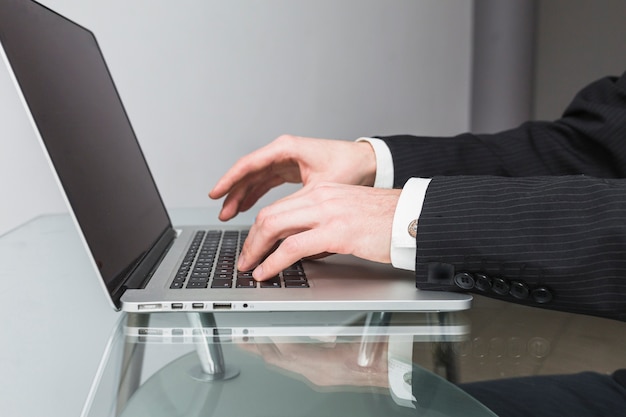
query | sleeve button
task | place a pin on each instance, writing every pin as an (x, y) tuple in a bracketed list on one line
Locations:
[(464, 280), (501, 286), (541, 295), (519, 290), (483, 282)]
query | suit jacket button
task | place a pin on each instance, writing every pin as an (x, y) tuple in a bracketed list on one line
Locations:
[(483, 282), (519, 290), (464, 280), (541, 295), (501, 286)]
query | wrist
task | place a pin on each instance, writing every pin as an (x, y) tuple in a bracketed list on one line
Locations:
[(367, 162), (382, 165)]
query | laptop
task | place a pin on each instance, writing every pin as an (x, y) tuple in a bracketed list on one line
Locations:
[(299, 327), (145, 264)]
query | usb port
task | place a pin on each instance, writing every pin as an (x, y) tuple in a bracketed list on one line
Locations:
[(222, 306), (177, 306), (197, 306)]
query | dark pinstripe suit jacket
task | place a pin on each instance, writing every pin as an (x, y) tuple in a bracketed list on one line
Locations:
[(536, 214)]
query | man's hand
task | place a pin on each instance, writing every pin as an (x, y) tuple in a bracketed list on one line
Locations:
[(322, 217), (292, 159), (323, 365)]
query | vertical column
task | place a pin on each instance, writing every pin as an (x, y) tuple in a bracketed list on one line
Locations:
[(503, 63)]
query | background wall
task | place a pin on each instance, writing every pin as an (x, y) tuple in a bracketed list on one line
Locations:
[(502, 64), (578, 41), (205, 81)]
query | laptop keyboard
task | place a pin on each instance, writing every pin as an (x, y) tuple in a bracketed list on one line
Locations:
[(211, 262)]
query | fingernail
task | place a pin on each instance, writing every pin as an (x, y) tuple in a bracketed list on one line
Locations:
[(241, 262), (258, 272)]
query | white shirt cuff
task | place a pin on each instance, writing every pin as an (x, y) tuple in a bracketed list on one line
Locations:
[(384, 162), (400, 369), (403, 240)]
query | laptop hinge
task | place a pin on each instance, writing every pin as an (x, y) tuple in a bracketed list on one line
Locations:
[(144, 269)]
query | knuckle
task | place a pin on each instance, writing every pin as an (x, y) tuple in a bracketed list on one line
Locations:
[(319, 189), (326, 188), (267, 221), (285, 139), (291, 246), (264, 214)]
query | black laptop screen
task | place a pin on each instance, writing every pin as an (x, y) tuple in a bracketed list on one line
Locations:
[(86, 131)]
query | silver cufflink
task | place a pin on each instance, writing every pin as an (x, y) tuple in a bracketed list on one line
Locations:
[(413, 228)]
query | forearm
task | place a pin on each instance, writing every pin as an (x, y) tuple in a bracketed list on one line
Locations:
[(588, 139)]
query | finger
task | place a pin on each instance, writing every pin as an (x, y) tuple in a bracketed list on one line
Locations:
[(251, 164), (291, 250), (269, 351), (296, 200), (292, 214), (246, 166), (319, 256), (285, 217), (255, 193), (232, 202), (245, 194)]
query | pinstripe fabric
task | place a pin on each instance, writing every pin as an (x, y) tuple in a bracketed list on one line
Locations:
[(544, 203)]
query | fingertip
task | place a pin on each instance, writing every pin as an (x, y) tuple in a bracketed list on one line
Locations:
[(241, 262), (225, 216), (257, 274), (217, 192)]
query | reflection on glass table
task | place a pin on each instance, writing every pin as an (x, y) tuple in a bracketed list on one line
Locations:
[(275, 364), (507, 346)]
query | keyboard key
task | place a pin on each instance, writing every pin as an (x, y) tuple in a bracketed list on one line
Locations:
[(296, 284), (246, 283), (203, 262), (222, 283), (271, 283), (287, 273), (197, 284), (294, 278)]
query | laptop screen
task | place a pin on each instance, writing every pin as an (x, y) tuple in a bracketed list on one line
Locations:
[(86, 131)]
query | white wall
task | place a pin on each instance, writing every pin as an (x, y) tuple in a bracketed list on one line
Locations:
[(205, 81)]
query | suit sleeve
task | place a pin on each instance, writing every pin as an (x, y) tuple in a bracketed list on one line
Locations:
[(590, 138), (535, 215), (557, 242)]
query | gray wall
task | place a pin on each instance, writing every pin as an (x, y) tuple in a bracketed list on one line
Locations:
[(578, 41), (205, 81), (503, 60), (532, 56)]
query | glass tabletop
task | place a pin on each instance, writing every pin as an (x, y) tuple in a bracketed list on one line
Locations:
[(497, 356), (274, 364), (66, 348)]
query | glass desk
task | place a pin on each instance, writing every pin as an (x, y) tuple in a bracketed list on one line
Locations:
[(65, 352), (275, 364)]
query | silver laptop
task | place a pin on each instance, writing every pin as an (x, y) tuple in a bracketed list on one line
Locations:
[(300, 327), (145, 263)]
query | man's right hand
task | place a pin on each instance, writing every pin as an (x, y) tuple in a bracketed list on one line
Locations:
[(293, 159)]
